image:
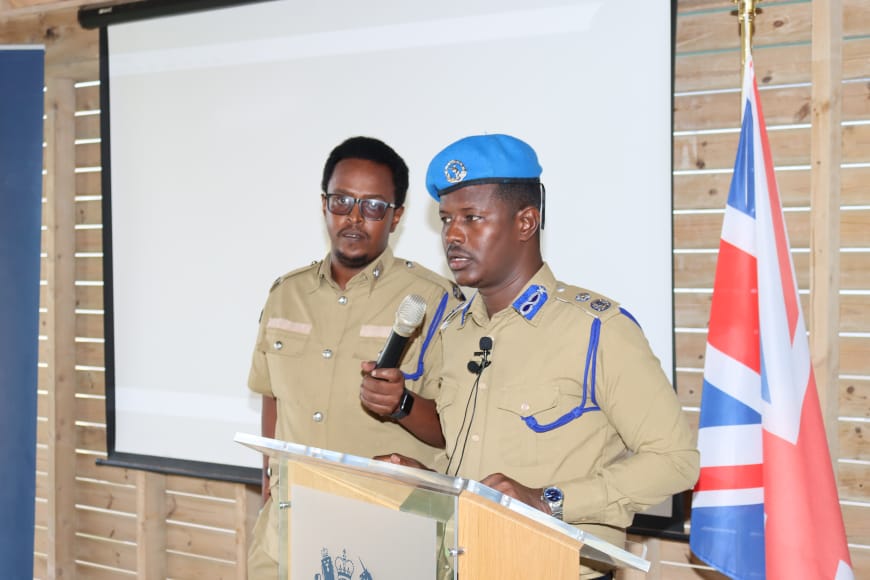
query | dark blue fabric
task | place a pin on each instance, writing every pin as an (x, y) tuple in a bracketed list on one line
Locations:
[(21, 110)]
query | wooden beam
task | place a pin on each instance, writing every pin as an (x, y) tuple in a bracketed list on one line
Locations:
[(826, 156), (60, 325), (151, 528), (248, 503)]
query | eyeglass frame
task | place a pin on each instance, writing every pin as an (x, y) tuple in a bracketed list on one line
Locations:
[(358, 201)]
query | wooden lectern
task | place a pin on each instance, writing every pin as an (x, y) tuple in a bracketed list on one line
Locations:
[(469, 531)]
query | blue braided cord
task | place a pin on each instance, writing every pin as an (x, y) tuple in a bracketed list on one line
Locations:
[(579, 410), (630, 317), (433, 327), (593, 347)]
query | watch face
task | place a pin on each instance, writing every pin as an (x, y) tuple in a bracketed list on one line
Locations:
[(553, 494)]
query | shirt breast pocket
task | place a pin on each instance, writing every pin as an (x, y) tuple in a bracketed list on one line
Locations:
[(284, 355), (518, 444), (450, 409)]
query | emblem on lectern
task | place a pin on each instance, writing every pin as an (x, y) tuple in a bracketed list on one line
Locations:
[(339, 568)]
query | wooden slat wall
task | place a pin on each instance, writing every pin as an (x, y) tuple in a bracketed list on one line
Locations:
[(706, 123), (102, 522)]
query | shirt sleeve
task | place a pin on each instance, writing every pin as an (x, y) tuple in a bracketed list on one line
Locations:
[(427, 384), (258, 376), (642, 406)]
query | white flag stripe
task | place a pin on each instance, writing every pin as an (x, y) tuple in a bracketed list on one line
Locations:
[(732, 378), (744, 448), (786, 381), (738, 229), (728, 497)]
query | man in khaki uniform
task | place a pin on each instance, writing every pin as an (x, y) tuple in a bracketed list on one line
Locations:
[(564, 406), (321, 321)]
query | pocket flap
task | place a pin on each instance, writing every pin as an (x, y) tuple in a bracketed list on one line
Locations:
[(530, 400)]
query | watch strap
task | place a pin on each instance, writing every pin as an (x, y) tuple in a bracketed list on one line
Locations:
[(404, 408)]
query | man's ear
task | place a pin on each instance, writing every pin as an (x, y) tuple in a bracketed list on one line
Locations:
[(528, 221), (397, 215)]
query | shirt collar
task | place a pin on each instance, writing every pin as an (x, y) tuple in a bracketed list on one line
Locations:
[(526, 305), (370, 275)]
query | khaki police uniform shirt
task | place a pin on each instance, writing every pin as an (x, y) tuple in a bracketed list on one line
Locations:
[(611, 463), (313, 336)]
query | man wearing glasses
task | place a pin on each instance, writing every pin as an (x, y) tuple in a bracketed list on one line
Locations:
[(321, 321)]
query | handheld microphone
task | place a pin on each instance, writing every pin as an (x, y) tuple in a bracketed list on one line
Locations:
[(485, 345), (409, 316)]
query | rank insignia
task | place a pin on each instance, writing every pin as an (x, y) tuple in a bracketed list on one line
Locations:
[(600, 305), (530, 301)]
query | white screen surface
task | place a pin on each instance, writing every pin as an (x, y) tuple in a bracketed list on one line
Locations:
[(220, 124)]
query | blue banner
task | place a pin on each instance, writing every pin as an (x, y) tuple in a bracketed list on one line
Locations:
[(22, 79)]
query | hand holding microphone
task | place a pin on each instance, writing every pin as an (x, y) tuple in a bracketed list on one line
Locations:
[(385, 394)]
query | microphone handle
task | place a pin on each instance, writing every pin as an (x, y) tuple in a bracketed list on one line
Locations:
[(392, 353)]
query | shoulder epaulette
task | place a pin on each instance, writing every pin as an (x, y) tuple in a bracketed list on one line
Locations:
[(591, 303), (293, 273), (430, 276)]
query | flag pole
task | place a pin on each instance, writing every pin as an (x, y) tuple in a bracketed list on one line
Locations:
[(746, 10)]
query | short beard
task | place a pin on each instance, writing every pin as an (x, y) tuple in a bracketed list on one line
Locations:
[(357, 263)]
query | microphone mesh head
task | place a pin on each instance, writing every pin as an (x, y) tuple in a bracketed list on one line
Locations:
[(409, 315)]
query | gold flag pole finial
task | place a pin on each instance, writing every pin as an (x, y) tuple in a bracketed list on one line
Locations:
[(746, 10)]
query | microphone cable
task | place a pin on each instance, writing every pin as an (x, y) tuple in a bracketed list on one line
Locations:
[(477, 369)]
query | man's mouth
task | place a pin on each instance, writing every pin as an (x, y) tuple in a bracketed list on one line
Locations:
[(352, 234), (457, 259)]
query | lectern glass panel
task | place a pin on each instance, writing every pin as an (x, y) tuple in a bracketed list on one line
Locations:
[(345, 517)]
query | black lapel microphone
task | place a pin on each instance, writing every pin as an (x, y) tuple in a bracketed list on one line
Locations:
[(485, 345)]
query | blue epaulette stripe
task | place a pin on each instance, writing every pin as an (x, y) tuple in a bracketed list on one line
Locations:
[(630, 317)]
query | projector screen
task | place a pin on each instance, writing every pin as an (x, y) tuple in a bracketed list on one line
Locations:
[(216, 128)]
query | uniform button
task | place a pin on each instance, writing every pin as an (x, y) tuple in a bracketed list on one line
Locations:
[(342, 300), (326, 353), (475, 437), (317, 417), (278, 345), (524, 407)]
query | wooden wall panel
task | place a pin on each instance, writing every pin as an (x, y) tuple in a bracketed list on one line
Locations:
[(855, 398), (853, 353), (692, 309), (204, 542), (208, 520), (717, 151), (185, 566), (716, 28), (854, 440), (853, 481)]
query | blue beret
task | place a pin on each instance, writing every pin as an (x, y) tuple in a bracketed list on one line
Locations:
[(482, 159)]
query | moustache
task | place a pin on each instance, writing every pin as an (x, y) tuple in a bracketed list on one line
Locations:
[(453, 251)]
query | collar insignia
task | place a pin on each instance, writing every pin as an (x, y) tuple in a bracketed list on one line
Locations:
[(530, 301)]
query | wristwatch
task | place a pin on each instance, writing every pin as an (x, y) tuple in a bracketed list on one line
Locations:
[(554, 498), (404, 408)]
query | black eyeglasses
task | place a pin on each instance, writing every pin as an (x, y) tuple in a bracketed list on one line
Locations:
[(371, 209)]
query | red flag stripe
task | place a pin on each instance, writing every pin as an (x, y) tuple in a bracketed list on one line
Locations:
[(730, 477), (733, 327)]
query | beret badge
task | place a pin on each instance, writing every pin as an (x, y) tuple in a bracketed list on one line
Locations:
[(455, 171)]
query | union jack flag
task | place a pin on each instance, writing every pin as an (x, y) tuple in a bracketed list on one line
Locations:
[(765, 505)]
